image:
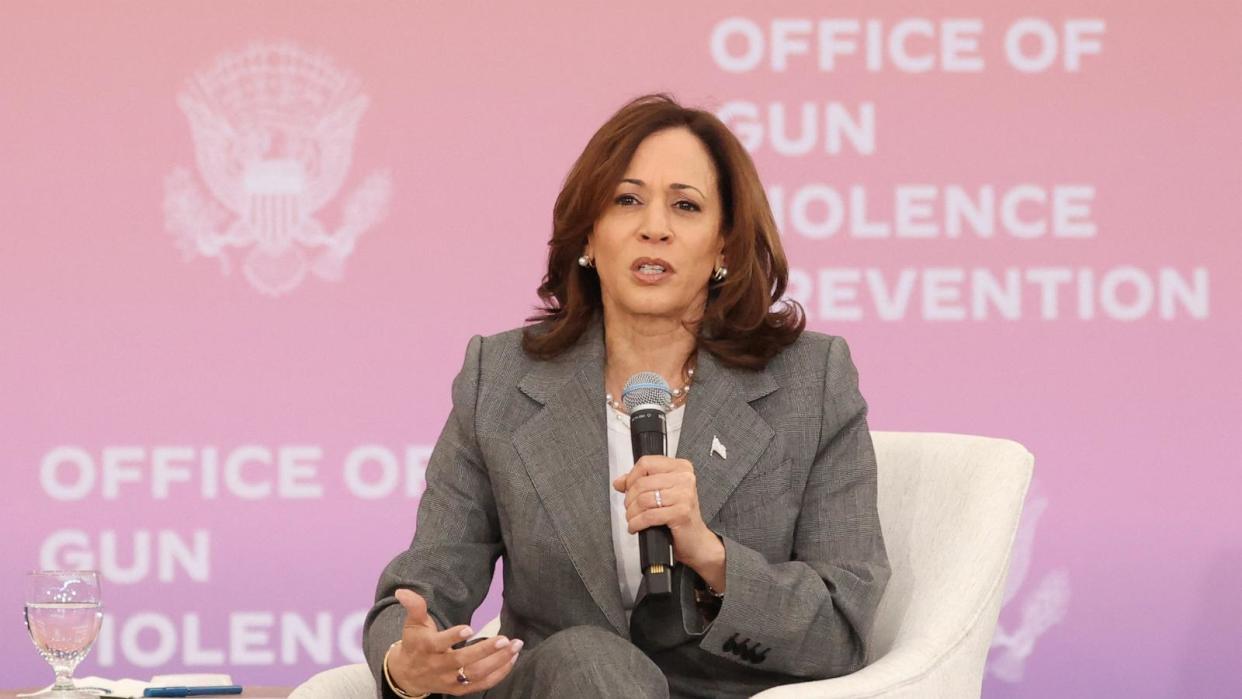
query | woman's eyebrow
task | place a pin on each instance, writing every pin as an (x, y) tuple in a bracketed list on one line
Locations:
[(675, 185)]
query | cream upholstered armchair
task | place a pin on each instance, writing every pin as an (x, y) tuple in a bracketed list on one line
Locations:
[(949, 505)]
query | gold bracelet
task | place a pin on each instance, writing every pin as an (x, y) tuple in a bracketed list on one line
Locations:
[(393, 685)]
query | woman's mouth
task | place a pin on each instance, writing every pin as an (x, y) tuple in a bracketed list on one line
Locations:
[(651, 271)]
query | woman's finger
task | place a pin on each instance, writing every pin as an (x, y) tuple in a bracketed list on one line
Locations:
[(662, 481), (463, 657), (481, 671), (442, 641), (654, 463), (495, 676), (647, 502), (672, 516)]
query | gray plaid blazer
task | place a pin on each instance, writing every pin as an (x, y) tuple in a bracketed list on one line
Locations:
[(520, 471)]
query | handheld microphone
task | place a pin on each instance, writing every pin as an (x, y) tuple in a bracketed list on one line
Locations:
[(648, 397)]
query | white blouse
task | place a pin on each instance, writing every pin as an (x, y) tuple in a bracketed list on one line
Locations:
[(620, 462)]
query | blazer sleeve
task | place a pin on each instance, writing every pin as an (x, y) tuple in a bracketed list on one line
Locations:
[(457, 541), (811, 616)]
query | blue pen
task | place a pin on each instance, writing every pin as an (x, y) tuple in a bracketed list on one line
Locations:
[(191, 691)]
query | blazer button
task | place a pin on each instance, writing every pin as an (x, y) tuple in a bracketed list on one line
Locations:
[(743, 650)]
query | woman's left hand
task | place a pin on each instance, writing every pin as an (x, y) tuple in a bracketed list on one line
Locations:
[(694, 544)]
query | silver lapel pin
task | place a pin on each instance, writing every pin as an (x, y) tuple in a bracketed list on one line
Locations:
[(718, 448)]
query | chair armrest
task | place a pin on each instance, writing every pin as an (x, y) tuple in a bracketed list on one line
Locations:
[(890, 676), (914, 669), (344, 682)]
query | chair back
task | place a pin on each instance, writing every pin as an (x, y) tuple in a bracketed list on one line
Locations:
[(949, 507)]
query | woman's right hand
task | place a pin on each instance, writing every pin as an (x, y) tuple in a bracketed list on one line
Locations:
[(425, 660)]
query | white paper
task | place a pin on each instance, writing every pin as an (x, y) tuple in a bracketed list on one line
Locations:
[(199, 680), (128, 688)]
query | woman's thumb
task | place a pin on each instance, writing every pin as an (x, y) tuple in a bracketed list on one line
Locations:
[(415, 607)]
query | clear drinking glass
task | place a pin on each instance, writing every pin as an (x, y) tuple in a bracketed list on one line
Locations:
[(63, 613)]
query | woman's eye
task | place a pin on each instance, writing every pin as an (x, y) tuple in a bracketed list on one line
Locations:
[(629, 199)]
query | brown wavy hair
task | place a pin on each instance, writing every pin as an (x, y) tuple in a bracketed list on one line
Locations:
[(745, 322)]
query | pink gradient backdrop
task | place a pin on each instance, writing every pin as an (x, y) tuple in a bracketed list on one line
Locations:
[(477, 111)]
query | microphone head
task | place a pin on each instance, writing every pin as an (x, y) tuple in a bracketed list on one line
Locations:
[(647, 388)]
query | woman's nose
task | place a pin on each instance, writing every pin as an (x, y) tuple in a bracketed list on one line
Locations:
[(655, 226)]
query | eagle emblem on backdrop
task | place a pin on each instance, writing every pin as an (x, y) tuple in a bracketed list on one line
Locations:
[(273, 129), (1042, 608)]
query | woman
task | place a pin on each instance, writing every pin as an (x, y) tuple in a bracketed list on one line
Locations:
[(664, 257)]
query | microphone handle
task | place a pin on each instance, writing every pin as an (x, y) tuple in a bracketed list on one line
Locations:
[(655, 544)]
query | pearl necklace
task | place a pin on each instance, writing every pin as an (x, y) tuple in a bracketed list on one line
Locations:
[(678, 393)]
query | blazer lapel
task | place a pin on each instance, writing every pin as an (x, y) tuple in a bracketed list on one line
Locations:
[(564, 447), (719, 408)]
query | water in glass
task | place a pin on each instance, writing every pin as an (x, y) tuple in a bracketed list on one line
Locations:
[(63, 614)]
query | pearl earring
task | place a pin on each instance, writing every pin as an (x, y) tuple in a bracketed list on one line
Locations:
[(585, 261), (720, 273)]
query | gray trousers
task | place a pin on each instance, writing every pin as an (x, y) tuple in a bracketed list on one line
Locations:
[(583, 661)]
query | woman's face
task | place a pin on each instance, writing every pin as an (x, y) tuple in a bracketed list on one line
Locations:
[(659, 239)]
